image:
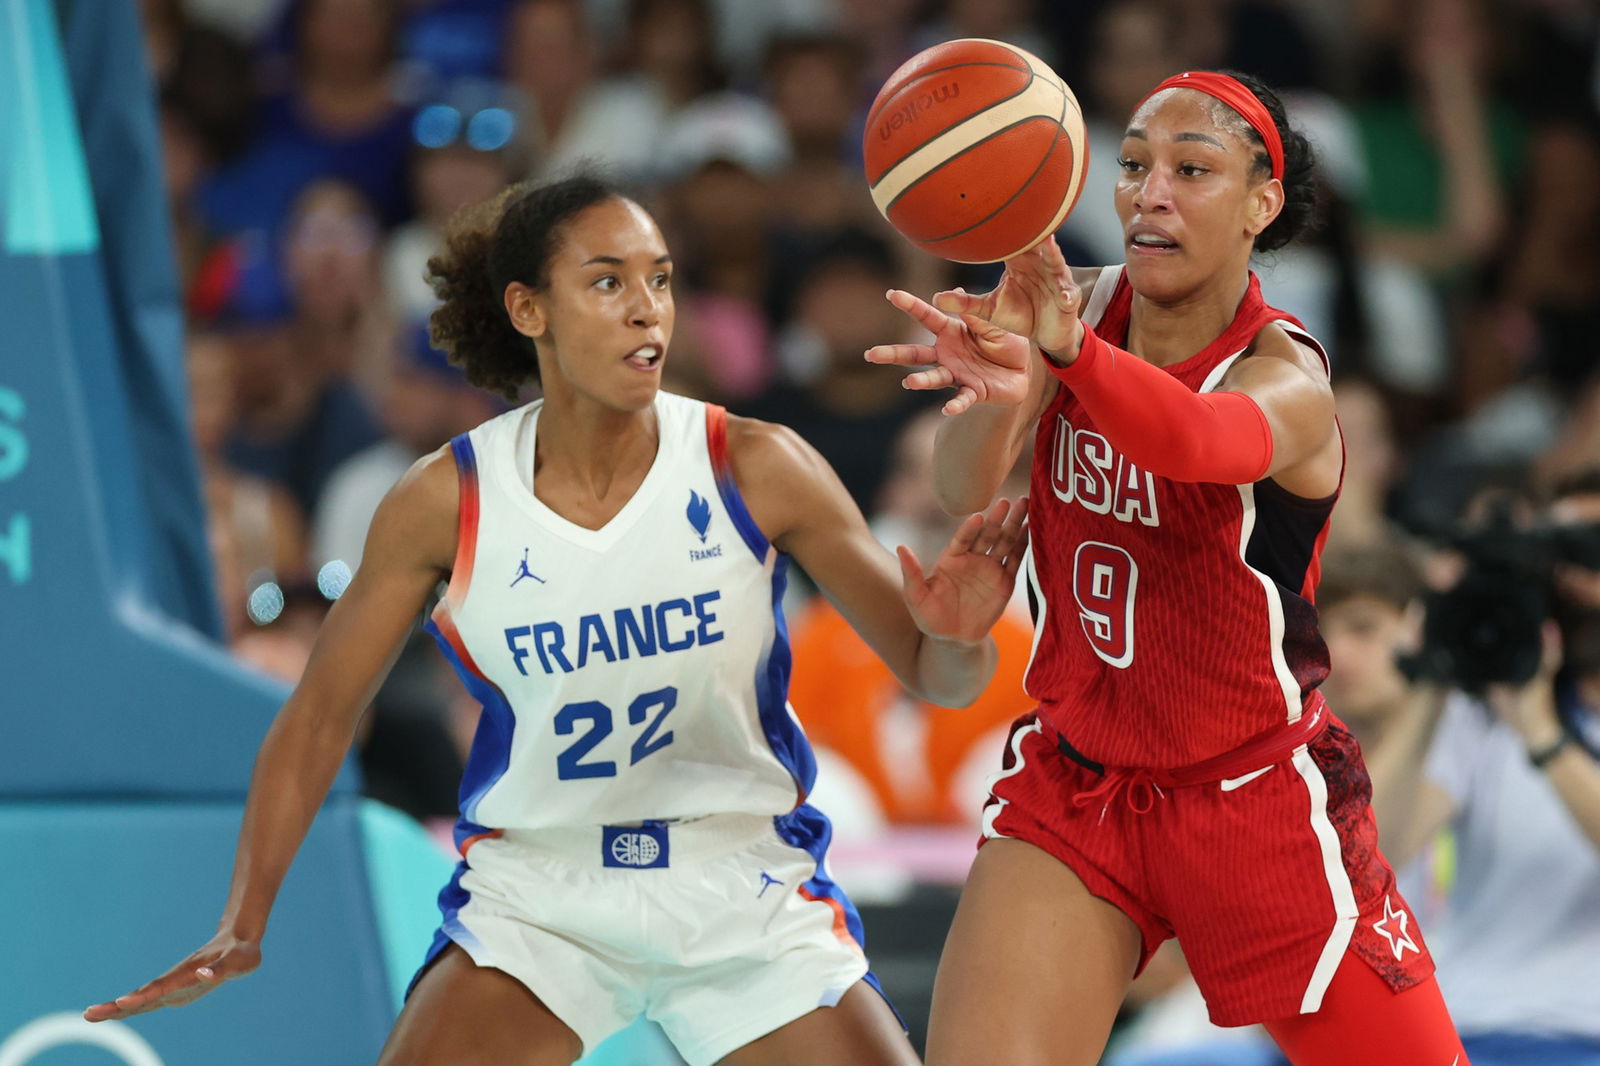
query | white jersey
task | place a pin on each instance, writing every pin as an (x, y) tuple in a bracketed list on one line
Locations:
[(631, 673)]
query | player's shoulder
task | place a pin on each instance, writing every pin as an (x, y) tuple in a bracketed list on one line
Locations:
[(1296, 347), (760, 448)]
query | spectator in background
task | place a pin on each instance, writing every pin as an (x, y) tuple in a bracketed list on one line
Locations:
[(1012, 21), (1371, 466), (815, 85), (551, 57), (671, 46), (468, 145), (254, 528), (338, 117), (1516, 777), (719, 157), (922, 763), (425, 402), (1440, 145), (833, 397), (330, 261), (299, 416), (1135, 44)]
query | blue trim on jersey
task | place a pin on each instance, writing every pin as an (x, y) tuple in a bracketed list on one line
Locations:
[(491, 744), (783, 733), (451, 899), (754, 539), (807, 828), (466, 458)]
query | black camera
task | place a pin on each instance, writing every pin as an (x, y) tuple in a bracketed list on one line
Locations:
[(1486, 629)]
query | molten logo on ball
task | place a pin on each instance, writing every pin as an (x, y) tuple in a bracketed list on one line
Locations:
[(908, 113)]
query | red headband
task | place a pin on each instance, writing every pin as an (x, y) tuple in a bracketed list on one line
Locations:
[(1232, 92)]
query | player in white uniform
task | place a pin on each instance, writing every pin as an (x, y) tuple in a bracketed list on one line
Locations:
[(634, 831)]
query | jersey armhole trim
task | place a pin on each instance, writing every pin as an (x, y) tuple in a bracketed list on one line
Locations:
[(466, 522), (722, 469), (1105, 286)]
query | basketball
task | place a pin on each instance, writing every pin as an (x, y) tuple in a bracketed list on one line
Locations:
[(975, 150)]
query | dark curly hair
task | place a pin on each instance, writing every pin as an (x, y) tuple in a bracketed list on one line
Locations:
[(1300, 185), (511, 237)]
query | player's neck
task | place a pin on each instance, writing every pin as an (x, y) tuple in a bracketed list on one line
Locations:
[(1167, 333), (591, 449)]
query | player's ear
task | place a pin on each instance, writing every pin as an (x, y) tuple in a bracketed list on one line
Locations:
[(1266, 200), (526, 310)]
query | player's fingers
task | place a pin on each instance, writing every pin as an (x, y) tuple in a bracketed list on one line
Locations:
[(987, 333), (926, 315), (937, 377), (955, 301), (989, 533), (1014, 554), (911, 574), (966, 534), (1011, 531), (901, 354), (1018, 515), (964, 398)]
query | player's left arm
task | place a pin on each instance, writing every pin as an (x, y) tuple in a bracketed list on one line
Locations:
[(930, 627), (1288, 383), (1271, 416)]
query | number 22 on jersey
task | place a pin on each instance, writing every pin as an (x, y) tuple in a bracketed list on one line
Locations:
[(570, 764), (1104, 578)]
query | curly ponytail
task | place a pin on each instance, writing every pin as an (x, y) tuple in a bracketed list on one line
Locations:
[(511, 237)]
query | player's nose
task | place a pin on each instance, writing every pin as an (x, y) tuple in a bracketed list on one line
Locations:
[(1155, 192)]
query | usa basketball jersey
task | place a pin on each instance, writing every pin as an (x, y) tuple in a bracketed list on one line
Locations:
[(1174, 620), (630, 673)]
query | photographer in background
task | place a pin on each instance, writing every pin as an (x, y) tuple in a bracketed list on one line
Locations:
[(1513, 770)]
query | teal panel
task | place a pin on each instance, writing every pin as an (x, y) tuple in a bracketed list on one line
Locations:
[(48, 209)]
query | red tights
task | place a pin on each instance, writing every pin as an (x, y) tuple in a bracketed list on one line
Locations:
[(1363, 1023)]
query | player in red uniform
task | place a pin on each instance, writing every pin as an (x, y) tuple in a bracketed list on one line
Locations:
[(1182, 775)]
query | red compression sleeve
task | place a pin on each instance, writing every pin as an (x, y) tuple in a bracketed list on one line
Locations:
[(1153, 418)]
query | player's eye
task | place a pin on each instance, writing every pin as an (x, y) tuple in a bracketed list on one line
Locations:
[(1130, 166), (662, 280), (1190, 170), (607, 283)]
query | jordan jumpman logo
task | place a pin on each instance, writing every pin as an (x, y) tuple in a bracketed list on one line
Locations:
[(767, 881), (523, 571)]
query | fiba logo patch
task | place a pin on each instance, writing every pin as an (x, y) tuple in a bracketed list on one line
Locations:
[(635, 847)]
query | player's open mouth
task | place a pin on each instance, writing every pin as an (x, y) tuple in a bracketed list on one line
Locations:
[(1150, 240), (645, 357)]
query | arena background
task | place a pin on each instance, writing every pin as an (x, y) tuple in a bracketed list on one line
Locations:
[(213, 219)]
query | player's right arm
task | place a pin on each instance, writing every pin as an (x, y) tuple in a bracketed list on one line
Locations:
[(410, 549), (1002, 386)]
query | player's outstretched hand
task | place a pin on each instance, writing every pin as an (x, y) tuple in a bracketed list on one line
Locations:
[(964, 594), (1036, 298), (223, 958), (981, 361)]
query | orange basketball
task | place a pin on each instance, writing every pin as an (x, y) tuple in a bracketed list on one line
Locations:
[(975, 150)]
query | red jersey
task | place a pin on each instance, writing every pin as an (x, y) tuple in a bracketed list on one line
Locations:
[(1174, 620)]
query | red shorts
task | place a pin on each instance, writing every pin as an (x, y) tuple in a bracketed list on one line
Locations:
[(1267, 878)]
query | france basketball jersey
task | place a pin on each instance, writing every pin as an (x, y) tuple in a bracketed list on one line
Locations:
[(629, 673), (1174, 620)]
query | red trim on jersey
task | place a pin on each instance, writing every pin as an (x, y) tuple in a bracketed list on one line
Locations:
[(446, 625), (1163, 425), (493, 834), (841, 926)]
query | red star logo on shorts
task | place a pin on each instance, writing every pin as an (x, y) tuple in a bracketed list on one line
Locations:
[(1395, 927)]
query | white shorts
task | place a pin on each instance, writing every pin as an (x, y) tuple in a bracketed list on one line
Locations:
[(720, 930)]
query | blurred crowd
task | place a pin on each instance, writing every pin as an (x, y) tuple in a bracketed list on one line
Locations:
[(315, 149)]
